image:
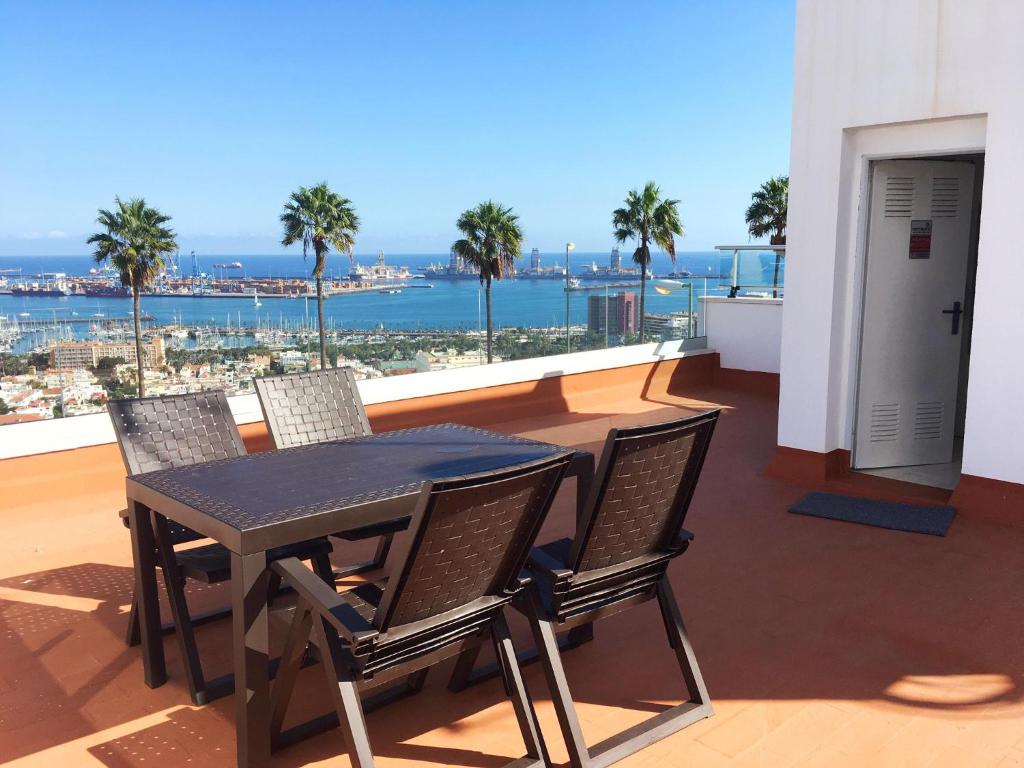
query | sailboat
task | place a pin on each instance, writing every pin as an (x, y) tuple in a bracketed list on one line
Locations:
[(256, 299)]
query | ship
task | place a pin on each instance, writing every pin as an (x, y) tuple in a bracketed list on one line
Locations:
[(228, 265), (379, 271), (104, 290), (40, 289)]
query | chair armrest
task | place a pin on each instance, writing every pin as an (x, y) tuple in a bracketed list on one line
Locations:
[(542, 561), (123, 514), (326, 601), (681, 540)]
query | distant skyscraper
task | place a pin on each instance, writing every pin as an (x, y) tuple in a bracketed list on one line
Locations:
[(535, 259), (621, 317), (454, 262), (616, 260)]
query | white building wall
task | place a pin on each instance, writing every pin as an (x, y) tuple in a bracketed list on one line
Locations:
[(890, 78), (745, 331)]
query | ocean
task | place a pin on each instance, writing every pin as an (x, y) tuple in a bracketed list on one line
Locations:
[(449, 304)]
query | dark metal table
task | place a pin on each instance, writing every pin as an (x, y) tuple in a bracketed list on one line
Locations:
[(254, 503)]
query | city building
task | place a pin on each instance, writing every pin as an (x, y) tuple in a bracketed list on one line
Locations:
[(674, 325), (618, 314), (535, 260), (615, 261), (442, 360), (87, 354)]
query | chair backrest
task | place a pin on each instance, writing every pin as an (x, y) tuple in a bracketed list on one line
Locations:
[(469, 539), (174, 430), (642, 491), (312, 407)]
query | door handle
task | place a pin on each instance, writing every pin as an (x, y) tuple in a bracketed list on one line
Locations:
[(956, 311)]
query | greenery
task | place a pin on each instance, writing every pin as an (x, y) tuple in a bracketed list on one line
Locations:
[(491, 241), (4, 407), (766, 215), (108, 363), (647, 217), (134, 241), (319, 219), (19, 365)]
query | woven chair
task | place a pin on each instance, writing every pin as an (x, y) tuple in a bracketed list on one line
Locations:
[(316, 407), (162, 433), (629, 533), (457, 568)]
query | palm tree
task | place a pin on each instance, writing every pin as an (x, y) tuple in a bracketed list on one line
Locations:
[(319, 218), (491, 241), (134, 241), (648, 217), (766, 215)]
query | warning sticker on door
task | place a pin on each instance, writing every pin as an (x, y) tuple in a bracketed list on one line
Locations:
[(920, 238)]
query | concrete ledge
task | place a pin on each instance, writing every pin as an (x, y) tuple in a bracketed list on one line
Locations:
[(52, 435)]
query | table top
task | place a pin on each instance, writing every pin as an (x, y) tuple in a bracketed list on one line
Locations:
[(284, 487)]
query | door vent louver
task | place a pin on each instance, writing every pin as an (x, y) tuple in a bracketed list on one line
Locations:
[(899, 197), (928, 420), (885, 422), (945, 197)]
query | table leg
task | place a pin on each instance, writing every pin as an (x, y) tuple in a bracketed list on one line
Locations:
[(250, 646), (144, 557)]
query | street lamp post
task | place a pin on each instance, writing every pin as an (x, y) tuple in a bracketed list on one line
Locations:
[(568, 247)]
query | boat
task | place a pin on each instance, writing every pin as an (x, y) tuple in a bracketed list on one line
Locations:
[(390, 290), (256, 299), (228, 265)]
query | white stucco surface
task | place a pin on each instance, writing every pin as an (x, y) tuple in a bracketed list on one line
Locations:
[(875, 79), (746, 331)]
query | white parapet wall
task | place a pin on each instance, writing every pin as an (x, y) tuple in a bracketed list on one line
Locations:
[(745, 331), (95, 429)]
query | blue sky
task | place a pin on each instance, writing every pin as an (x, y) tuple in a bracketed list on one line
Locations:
[(215, 112)]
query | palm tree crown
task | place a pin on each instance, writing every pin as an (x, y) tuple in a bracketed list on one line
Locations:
[(648, 217), (319, 219), (134, 241), (491, 241), (766, 215), (768, 209)]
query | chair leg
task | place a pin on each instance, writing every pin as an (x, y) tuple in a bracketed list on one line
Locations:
[(680, 643), (322, 567), (288, 670), (462, 675), (379, 558), (551, 660), (516, 691), (185, 634), (345, 695), (133, 635)]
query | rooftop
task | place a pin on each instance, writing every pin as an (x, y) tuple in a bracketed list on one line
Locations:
[(822, 643)]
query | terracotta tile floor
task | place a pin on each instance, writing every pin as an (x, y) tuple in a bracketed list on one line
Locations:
[(823, 644)]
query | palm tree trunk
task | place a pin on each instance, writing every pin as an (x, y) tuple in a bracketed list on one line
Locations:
[(643, 295), (139, 357), (490, 327), (320, 321), (777, 239)]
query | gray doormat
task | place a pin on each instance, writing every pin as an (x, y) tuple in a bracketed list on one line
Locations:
[(914, 518)]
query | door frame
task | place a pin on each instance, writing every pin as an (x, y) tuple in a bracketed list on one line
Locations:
[(867, 175)]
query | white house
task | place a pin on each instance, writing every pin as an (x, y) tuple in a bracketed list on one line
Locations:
[(903, 325)]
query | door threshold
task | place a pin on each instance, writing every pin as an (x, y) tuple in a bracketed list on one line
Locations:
[(945, 476)]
